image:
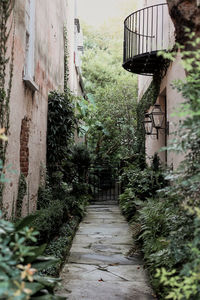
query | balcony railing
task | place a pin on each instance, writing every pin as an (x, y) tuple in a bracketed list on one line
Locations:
[(146, 31)]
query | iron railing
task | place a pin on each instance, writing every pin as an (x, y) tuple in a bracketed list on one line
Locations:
[(146, 32)]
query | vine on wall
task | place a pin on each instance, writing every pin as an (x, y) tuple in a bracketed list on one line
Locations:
[(149, 99), (66, 57), (6, 9), (22, 190)]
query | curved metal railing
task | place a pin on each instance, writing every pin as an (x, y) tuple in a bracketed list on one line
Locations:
[(146, 31)]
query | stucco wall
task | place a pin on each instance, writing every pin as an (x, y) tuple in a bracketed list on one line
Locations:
[(74, 76), (50, 18), (167, 42), (173, 101)]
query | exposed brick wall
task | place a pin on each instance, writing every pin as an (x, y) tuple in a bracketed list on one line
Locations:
[(24, 150)]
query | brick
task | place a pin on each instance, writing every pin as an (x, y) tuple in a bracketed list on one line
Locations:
[(24, 150)]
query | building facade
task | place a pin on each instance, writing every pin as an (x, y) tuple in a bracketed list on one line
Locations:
[(39, 50), (147, 31)]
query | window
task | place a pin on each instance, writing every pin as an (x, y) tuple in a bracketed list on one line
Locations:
[(29, 69)]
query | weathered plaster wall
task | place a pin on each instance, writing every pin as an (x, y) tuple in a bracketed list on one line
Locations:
[(32, 107), (174, 99), (74, 76)]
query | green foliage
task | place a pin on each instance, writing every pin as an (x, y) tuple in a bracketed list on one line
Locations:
[(184, 282), (129, 203), (22, 188), (61, 123), (110, 119), (66, 65), (48, 220), (6, 8), (144, 183), (45, 194), (59, 247), (6, 63), (171, 222), (140, 185), (148, 99), (19, 262), (78, 163), (57, 205)]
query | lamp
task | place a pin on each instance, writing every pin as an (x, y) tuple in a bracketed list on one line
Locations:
[(148, 125), (158, 116)]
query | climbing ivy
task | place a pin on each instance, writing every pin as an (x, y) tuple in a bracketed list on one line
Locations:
[(66, 56), (148, 99), (6, 9), (61, 121), (22, 189)]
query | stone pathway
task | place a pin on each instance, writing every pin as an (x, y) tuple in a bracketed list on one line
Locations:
[(99, 267)]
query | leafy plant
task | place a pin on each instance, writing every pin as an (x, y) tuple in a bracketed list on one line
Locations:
[(20, 263), (61, 126), (170, 223)]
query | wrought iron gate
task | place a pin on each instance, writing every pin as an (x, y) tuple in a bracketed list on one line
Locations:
[(104, 183)]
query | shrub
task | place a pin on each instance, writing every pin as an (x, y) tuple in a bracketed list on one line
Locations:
[(48, 220), (61, 126), (19, 262), (129, 203), (170, 228), (60, 245)]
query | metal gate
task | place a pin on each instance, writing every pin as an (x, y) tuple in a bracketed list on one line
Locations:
[(104, 183)]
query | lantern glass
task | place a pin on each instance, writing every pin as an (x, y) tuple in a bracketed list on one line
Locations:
[(148, 126), (157, 116)]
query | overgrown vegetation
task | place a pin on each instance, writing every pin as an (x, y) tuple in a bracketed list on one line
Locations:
[(63, 193), (169, 217)]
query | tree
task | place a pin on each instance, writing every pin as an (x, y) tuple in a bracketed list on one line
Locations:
[(112, 92), (185, 14)]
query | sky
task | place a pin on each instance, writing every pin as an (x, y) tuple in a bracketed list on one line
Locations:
[(97, 12)]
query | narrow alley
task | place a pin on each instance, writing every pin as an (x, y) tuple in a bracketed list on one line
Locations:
[(99, 266)]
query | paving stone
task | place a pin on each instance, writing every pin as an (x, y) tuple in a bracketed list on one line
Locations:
[(102, 239), (99, 267), (100, 290)]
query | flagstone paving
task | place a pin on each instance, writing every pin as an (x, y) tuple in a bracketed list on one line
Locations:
[(99, 266)]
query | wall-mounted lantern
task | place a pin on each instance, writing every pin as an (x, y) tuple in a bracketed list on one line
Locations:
[(154, 121), (158, 116), (148, 124)]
